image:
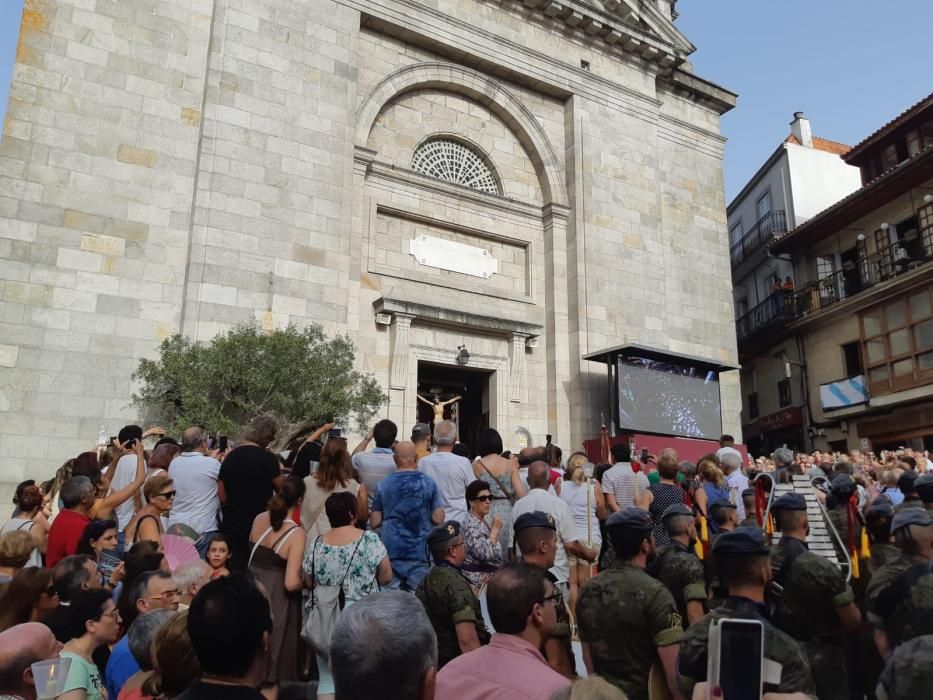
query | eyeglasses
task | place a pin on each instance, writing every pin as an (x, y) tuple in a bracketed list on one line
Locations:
[(555, 596), (115, 614), (168, 494), (484, 499), (165, 596)]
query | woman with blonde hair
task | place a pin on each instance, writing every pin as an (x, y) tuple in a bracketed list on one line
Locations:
[(159, 493), (334, 475), (588, 506), (175, 665), (712, 482), (16, 552)]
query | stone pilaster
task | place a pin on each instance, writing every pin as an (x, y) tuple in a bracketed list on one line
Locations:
[(400, 344), (517, 369)]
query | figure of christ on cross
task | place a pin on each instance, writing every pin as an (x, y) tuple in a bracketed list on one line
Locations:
[(438, 405)]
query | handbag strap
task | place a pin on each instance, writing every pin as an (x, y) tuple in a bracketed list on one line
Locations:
[(256, 546), (349, 563), (277, 545), (505, 491)]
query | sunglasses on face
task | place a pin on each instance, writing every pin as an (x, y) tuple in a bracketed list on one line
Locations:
[(168, 494), (484, 499)]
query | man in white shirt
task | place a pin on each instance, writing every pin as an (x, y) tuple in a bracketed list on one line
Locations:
[(377, 464), (539, 499), (736, 481), (622, 485), (122, 475), (196, 499), (451, 472)]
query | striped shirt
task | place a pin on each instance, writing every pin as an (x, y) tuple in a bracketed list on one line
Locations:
[(620, 482)]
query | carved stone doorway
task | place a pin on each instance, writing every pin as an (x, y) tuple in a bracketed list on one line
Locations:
[(471, 413)]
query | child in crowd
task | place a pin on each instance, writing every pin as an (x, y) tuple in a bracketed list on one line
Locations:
[(218, 554)]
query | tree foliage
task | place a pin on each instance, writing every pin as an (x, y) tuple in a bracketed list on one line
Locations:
[(299, 375)]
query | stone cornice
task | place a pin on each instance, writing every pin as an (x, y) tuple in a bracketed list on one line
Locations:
[(425, 313)]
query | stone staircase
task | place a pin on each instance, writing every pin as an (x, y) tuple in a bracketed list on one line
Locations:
[(820, 540)]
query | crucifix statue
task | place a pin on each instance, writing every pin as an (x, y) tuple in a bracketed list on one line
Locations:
[(438, 405)]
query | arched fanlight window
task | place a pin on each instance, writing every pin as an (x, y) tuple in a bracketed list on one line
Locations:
[(455, 162)]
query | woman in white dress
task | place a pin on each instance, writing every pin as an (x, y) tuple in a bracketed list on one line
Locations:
[(588, 506)]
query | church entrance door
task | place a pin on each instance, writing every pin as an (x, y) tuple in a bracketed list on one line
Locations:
[(442, 384)]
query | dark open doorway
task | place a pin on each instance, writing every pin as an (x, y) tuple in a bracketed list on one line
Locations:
[(470, 413)]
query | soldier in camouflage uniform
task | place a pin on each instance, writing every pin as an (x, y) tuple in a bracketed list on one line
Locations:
[(627, 619), (678, 567), (842, 489), (909, 673), (924, 487), (536, 538), (906, 484), (748, 499), (817, 606), (448, 599), (742, 557), (900, 596), (725, 516)]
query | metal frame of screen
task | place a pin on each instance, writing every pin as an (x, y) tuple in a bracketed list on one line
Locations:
[(672, 409)]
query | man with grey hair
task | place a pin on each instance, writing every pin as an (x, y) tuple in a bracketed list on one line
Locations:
[(736, 481), (783, 459), (196, 497), (77, 496), (139, 637), (384, 642), (451, 472), (190, 578)]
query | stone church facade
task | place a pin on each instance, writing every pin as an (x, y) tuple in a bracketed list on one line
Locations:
[(531, 181)]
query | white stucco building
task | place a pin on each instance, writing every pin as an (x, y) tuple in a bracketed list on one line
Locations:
[(531, 180)]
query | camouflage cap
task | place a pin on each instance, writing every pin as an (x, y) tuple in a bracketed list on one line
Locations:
[(907, 483), (910, 516), (676, 509), (720, 503), (842, 485), (880, 506), (535, 518), (631, 518), (741, 542), (789, 501), (443, 533), (924, 487), (908, 675)]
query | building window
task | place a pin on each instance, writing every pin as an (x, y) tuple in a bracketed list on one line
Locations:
[(914, 145), (736, 234), (784, 397), (925, 223), (852, 358), (888, 157), (753, 405), (824, 266), (454, 162), (897, 342), (764, 205)]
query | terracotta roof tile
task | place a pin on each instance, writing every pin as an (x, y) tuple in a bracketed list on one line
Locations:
[(839, 149)]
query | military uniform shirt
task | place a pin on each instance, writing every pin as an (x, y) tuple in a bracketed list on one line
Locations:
[(448, 600), (881, 579), (682, 573), (913, 615), (624, 615), (779, 648), (813, 588), (882, 553)]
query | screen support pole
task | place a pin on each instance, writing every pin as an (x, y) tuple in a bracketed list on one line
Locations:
[(610, 362)]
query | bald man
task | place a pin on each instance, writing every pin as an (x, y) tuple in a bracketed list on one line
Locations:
[(538, 498), (407, 505), (20, 647)]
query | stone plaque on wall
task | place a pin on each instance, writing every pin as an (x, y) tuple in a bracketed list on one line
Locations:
[(453, 256)]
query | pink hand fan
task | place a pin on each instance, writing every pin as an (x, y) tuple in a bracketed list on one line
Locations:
[(178, 550)]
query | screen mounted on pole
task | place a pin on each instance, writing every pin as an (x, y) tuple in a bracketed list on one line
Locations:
[(656, 396)]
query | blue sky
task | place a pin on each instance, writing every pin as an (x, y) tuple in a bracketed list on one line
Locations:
[(849, 65)]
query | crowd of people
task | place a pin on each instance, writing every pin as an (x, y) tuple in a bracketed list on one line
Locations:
[(416, 569)]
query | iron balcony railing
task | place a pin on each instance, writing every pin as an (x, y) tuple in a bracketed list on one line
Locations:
[(762, 233), (914, 250), (861, 274), (777, 307)]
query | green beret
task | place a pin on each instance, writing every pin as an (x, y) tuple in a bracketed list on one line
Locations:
[(535, 518), (631, 518), (741, 542), (444, 533), (789, 501)]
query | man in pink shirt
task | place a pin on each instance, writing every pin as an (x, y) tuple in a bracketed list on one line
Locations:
[(521, 604)]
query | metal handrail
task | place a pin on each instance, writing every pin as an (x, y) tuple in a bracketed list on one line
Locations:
[(832, 528)]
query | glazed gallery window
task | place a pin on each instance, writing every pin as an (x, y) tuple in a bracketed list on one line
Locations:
[(897, 342), (454, 162)]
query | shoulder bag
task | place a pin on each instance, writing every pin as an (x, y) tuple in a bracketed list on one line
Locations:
[(325, 605)]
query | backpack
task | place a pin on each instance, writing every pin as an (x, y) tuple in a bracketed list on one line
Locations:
[(325, 605)]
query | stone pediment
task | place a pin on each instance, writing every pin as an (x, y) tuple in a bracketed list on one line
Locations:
[(635, 26)]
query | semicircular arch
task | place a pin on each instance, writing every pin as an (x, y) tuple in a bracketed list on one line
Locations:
[(476, 86)]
